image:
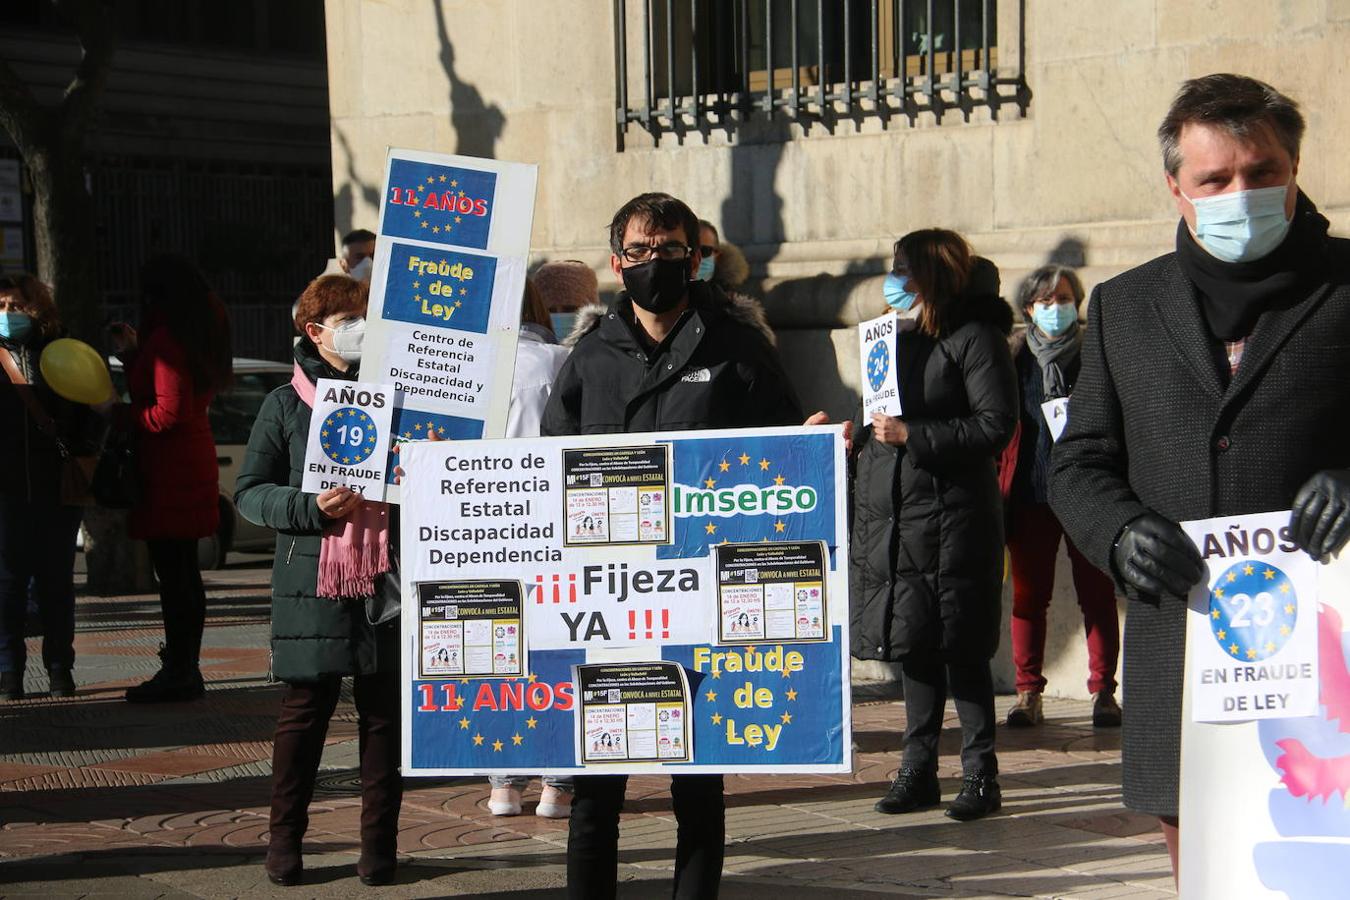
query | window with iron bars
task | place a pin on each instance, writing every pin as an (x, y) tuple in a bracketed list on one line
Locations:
[(688, 65)]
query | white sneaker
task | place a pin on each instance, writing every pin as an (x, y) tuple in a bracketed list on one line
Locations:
[(504, 802), (554, 804)]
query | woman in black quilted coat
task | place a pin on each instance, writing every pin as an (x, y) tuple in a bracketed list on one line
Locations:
[(927, 549)]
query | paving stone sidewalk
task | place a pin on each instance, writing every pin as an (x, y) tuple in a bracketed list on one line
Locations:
[(102, 798)]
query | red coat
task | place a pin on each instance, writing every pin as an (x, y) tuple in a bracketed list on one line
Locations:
[(177, 455)]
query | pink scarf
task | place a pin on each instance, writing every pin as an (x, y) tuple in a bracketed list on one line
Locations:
[(356, 548)]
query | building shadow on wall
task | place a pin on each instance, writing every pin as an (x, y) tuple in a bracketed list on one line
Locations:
[(477, 125), (344, 202)]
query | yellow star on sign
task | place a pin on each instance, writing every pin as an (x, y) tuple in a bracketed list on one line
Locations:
[(1247, 569), (457, 703), (531, 722), (1233, 649), (463, 292), (764, 465), (791, 694), (516, 739), (435, 229), (779, 480), (710, 484), (710, 528), (442, 177), (723, 465), (324, 433), (1214, 615), (744, 458), (1251, 653), (1289, 609), (1218, 592), (478, 740), (426, 224), (717, 718), (417, 298), (497, 746), (532, 678), (779, 526), (457, 219), (1270, 574), (421, 188), (1284, 631), (464, 724), (417, 214), (723, 541), (711, 695), (339, 414), (1284, 588), (464, 681), (416, 285), (1232, 576), (418, 427), (1270, 646), (716, 674), (786, 718), (327, 445), (454, 183), (787, 674), (1221, 634)]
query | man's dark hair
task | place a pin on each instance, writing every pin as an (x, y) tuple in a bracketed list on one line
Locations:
[(660, 211), (359, 236), (1236, 103)]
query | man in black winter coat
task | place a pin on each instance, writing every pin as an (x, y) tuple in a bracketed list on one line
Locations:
[(668, 354), (1214, 382)]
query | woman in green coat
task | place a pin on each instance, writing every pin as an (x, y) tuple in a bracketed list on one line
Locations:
[(320, 629)]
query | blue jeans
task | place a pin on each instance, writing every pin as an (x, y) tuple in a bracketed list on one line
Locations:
[(37, 549)]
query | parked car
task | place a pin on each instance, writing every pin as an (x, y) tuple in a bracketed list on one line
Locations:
[(232, 414)]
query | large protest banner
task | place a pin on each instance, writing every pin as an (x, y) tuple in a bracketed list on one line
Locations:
[(683, 599), (445, 292), (1264, 793)]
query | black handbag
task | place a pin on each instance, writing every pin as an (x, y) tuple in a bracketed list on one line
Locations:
[(117, 477), (383, 606)]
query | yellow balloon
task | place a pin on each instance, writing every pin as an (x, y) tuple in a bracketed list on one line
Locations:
[(75, 371)]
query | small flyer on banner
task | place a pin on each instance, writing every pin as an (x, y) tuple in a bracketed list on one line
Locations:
[(1251, 633), (618, 495), (471, 629), (1056, 414), (881, 391), (633, 712), (349, 437), (771, 592)]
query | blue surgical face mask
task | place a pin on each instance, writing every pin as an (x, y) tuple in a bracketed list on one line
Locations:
[(1243, 225), (563, 323), (1054, 319), (706, 266), (15, 326), (897, 298)]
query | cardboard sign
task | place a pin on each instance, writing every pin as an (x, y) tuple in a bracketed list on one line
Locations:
[(349, 433), (638, 584), (1056, 414), (880, 388), (445, 292)]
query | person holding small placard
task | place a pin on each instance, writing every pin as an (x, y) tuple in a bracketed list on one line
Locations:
[(1047, 359), (333, 551)]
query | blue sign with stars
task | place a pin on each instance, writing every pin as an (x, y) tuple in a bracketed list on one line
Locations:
[(439, 288), (441, 204), (878, 364), (1253, 609), (349, 436)]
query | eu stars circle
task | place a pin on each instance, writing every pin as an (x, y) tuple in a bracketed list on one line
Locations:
[(348, 436), (878, 364), (1253, 609)]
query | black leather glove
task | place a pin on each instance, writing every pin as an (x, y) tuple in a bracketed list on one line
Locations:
[(1155, 556), (1321, 516)]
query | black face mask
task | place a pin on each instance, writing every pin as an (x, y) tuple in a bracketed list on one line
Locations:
[(657, 285)]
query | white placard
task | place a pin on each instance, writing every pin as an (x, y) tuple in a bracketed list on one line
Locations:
[(880, 388), (1056, 414), (349, 437), (1251, 634)]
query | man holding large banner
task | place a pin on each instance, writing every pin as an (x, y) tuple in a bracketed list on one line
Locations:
[(1215, 383), (670, 353)]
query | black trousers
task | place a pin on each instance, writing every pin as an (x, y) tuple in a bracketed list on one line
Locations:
[(37, 551), (297, 746), (972, 688), (593, 835), (182, 599)]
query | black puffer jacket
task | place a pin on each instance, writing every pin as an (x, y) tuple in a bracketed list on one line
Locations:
[(30, 463), (718, 369), (926, 559), (312, 637)]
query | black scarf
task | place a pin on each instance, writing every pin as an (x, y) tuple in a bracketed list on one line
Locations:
[(1233, 295)]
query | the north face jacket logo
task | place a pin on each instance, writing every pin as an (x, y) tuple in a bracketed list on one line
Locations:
[(696, 375)]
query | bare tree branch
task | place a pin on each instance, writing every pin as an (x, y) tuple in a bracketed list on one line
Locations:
[(20, 114), (94, 26)]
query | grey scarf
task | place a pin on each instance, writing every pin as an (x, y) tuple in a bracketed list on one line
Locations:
[(1055, 355)]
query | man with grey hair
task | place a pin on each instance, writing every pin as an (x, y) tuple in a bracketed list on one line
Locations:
[(1215, 381)]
